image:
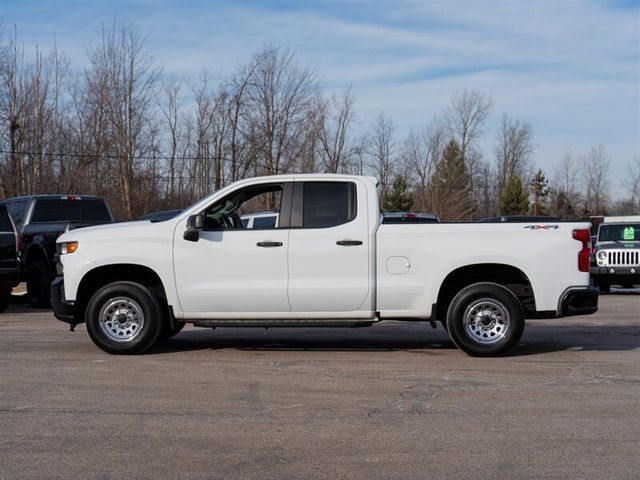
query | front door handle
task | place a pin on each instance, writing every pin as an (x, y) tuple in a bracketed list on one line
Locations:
[(269, 244), (348, 243)]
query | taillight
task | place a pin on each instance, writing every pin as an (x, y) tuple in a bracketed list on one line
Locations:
[(583, 236)]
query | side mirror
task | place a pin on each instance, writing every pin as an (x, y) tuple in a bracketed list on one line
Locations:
[(195, 223)]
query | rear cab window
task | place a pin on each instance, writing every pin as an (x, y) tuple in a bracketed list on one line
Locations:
[(72, 210)]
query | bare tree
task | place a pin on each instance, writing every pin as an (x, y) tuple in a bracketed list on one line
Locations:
[(421, 153), (334, 123), (176, 126), (381, 151), (513, 149), (239, 119), (127, 77), (566, 174), (487, 195), (31, 119), (201, 167), (280, 94), (14, 106), (634, 183), (595, 173), (564, 193), (468, 111)]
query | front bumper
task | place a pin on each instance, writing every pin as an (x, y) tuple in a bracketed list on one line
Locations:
[(579, 301), (63, 310), (631, 274)]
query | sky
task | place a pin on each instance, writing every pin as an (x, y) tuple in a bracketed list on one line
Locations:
[(570, 68)]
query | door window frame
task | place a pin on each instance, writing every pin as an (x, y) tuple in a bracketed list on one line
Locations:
[(297, 211), (284, 219)]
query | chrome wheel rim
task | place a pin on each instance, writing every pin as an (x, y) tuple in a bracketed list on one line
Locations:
[(486, 321), (121, 319)]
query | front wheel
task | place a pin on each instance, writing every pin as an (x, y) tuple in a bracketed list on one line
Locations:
[(124, 318), (485, 319)]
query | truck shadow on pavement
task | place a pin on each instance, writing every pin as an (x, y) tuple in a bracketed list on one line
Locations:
[(537, 339)]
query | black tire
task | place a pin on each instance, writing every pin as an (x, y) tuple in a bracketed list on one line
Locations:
[(124, 318), (38, 284), (5, 299), (485, 319), (168, 332)]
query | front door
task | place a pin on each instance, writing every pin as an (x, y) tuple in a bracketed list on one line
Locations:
[(233, 270)]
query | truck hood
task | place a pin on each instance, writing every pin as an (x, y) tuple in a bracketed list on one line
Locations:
[(618, 244), (108, 230)]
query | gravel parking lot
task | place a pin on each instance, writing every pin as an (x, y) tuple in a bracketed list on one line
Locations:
[(390, 401)]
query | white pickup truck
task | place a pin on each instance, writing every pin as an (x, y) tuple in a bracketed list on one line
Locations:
[(329, 262)]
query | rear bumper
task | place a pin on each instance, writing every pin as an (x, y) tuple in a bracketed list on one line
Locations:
[(579, 301), (63, 310)]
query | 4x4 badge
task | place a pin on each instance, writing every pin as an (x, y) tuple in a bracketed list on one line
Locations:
[(542, 227)]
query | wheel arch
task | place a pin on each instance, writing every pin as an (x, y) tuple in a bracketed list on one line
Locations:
[(98, 277), (35, 252), (508, 276)]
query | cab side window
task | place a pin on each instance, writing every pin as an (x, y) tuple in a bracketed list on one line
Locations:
[(328, 204)]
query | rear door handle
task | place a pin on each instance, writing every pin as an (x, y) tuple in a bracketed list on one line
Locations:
[(348, 243), (269, 244)]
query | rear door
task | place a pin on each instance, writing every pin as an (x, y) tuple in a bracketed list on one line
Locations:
[(329, 247)]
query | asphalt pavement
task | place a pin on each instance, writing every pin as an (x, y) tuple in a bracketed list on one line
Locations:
[(395, 400)]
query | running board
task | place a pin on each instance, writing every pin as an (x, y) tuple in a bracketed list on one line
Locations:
[(281, 323)]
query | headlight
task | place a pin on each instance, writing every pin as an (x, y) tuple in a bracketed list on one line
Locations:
[(601, 255), (68, 247)]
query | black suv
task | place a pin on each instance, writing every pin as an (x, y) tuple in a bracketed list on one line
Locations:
[(40, 220), (9, 263)]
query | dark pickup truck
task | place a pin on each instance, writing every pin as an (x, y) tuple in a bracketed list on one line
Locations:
[(40, 220), (9, 263)]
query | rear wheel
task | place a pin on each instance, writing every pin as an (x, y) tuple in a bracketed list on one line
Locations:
[(485, 319), (38, 284), (124, 318)]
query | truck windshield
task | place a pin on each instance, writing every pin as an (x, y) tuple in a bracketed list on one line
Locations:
[(629, 232), (77, 210)]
